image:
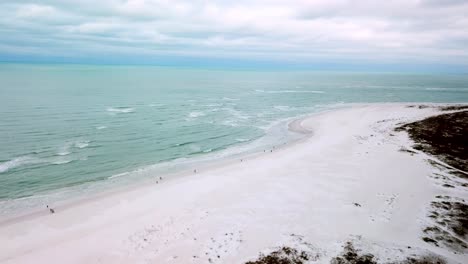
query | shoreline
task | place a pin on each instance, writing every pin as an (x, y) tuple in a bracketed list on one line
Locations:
[(293, 125), (189, 197)]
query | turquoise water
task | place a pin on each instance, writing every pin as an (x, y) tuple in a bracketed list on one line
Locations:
[(68, 126)]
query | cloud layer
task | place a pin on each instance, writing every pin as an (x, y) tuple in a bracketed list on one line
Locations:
[(423, 31)]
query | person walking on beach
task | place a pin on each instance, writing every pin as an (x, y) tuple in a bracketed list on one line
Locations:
[(52, 211)]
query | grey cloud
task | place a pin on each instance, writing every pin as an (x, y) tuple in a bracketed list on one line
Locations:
[(298, 29), (440, 3)]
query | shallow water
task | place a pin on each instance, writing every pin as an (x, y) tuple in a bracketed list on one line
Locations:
[(72, 126)]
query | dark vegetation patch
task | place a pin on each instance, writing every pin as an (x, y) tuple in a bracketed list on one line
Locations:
[(439, 237), (458, 173), (439, 176), (418, 106), (349, 255), (402, 149), (453, 107), (447, 181), (450, 229), (284, 255), (429, 259), (453, 215), (438, 165), (352, 256), (444, 136)]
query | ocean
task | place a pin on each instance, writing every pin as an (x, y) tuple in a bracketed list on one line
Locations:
[(71, 130)]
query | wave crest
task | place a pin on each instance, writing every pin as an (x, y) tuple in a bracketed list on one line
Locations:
[(82, 144), (282, 107), (120, 109), (196, 114), (17, 162), (289, 91)]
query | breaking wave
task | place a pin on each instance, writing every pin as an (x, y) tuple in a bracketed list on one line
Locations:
[(118, 175), (82, 144), (447, 89), (18, 162), (230, 99), (289, 91), (196, 114), (60, 162), (282, 107), (120, 109)]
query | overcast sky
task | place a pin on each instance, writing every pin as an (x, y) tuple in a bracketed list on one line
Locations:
[(426, 32)]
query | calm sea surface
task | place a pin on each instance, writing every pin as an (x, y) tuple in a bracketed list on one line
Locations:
[(67, 128)]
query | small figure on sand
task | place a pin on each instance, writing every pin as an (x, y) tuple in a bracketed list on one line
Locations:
[(195, 171), (50, 209)]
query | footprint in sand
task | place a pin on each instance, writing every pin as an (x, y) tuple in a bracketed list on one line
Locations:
[(158, 237), (385, 214), (222, 245)]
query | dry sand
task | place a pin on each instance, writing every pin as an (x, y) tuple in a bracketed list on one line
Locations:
[(347, 181)]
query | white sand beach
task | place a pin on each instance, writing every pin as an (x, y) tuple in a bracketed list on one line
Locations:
[(346, 181)]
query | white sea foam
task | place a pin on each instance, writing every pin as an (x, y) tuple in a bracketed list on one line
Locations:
[(212, 105), (231, 123), (63, 153), (282, 107), (120, 109), (64, 150), (17, 162), (101, 127), (196, 114), (119, 175), (289, 91), (82, 144), (236, 113), (447, 89), (230, 99), (156, 105), (194, 147), (62, 161)]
